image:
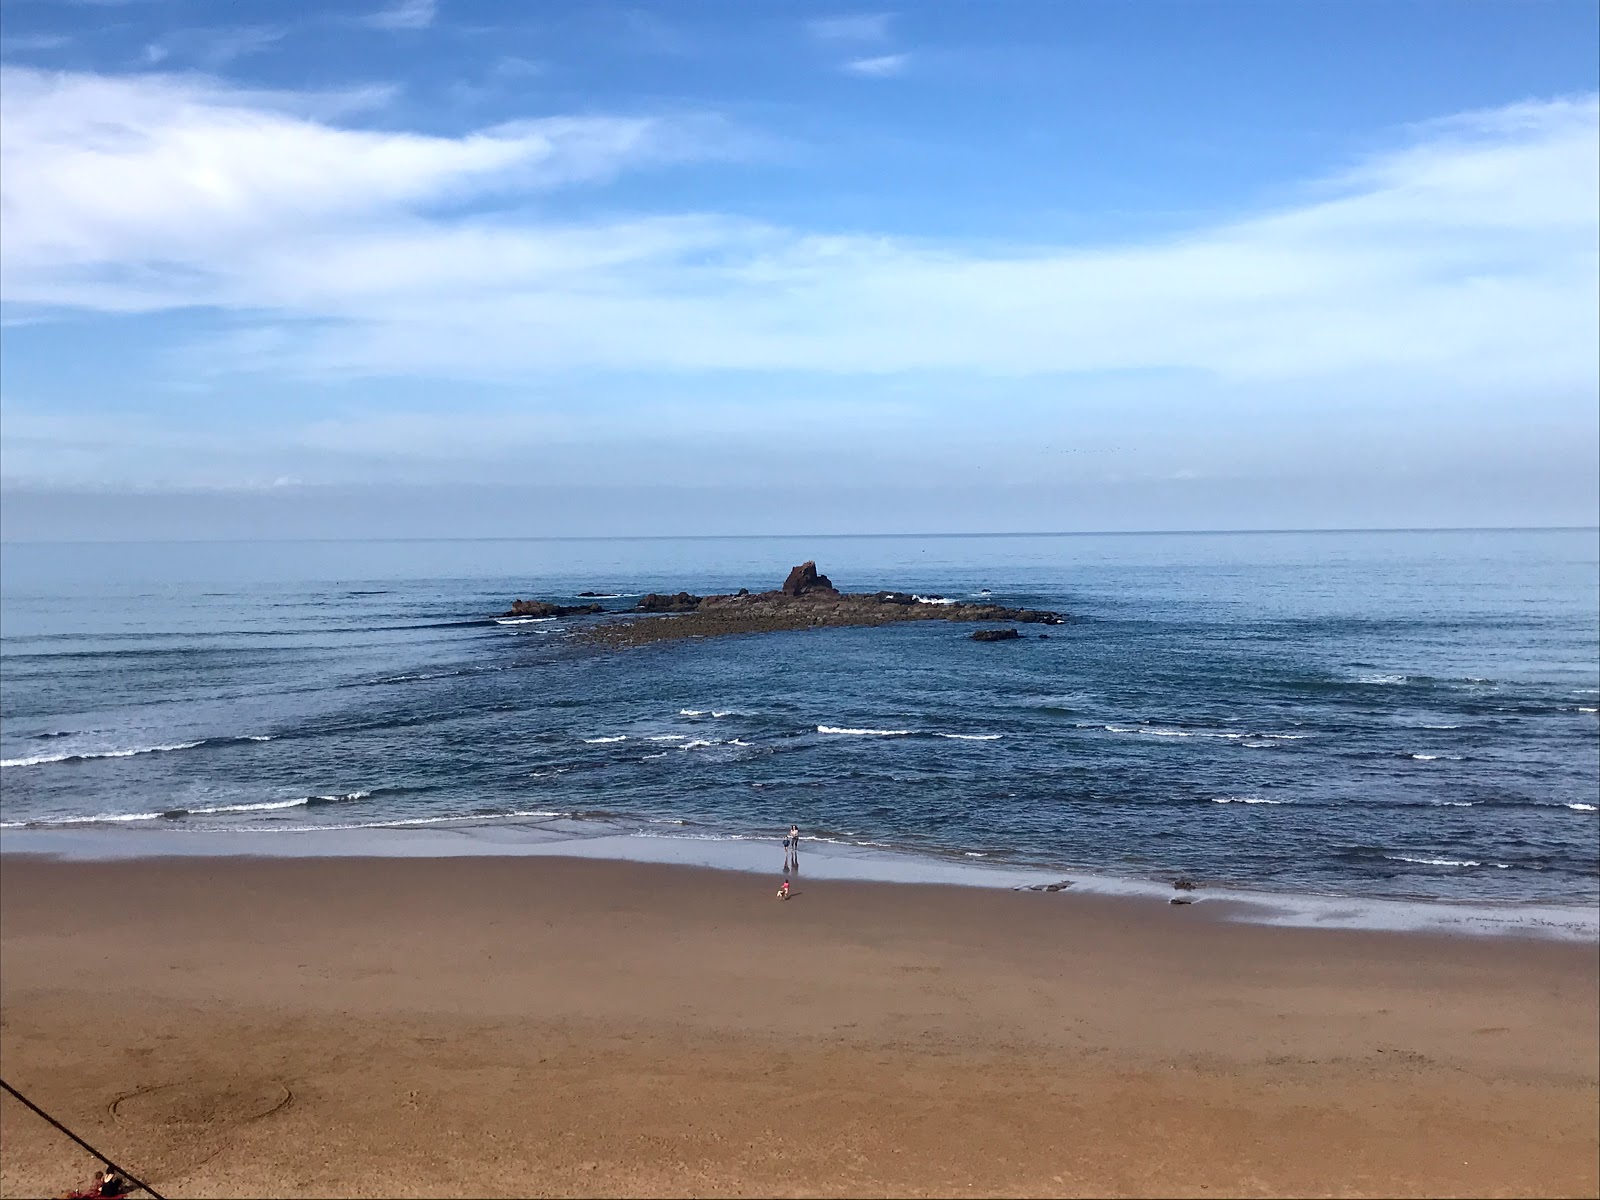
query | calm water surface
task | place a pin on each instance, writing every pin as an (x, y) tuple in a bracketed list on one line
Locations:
[(1396, 714)]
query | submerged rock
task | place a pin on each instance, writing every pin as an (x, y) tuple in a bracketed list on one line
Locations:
[(543, 608), (995, 635)]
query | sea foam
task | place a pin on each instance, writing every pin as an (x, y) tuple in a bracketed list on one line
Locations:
[(39, 760)]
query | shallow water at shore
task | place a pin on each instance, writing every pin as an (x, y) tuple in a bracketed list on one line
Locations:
[(1400, 716)]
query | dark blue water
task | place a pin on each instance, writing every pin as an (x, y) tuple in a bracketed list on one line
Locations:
[(1398, 714)]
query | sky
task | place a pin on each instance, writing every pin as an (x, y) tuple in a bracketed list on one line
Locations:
[(438, 268)]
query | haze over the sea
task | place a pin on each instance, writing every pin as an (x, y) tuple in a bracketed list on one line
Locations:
[(458, 268)]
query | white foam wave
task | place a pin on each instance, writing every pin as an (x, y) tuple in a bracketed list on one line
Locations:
[(407, 822), (836, 729), (522, 620), (39, 760), (972, 737), (1380, 678), (267, 806), (98, 819), (667, 737), (698, 742), (1453, 803), (1585, 708), (596, 741), (932, 600), (1445, 862), (694, 712), (1437, 757), (1245, 800), (1162, 731), (1581, 807), (1438, 727), (259, 737)]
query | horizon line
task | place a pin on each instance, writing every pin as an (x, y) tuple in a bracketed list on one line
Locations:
[(708, 537)]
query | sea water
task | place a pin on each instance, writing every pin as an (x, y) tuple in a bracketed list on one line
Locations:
[(1402, 716)]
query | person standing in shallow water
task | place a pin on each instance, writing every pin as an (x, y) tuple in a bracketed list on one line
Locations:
[(791, 850)]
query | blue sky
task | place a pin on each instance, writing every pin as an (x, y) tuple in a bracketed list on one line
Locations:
[(762, 267)]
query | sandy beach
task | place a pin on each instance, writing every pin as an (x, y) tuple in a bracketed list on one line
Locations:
[(372, 1027)]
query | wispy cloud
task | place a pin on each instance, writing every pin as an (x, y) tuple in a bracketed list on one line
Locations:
[(1463, 258), (213, 49), (856, 27), (407, 14), (34, 43), (881, 66)]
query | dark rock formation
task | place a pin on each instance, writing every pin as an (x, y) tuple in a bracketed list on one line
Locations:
[(995, 635), (1180, 900), (1184, 884), (655, 602), (804, 579), (542, 608), (806, 601)]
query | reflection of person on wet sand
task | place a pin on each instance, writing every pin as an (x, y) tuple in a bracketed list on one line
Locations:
[(791, 850)]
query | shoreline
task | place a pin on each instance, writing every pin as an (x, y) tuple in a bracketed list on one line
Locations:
[(552, 1026), (476, 838)]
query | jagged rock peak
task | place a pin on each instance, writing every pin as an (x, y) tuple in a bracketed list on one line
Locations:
[(804, 578)]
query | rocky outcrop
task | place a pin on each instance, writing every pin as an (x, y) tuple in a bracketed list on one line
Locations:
[(807, 600), (655, 602), (542, 608), (995, 635), (804, 579)]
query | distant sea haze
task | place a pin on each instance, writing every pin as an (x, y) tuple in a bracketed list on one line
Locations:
[(1395, 715)]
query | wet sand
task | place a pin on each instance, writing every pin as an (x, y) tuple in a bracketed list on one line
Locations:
[(505, 1026)]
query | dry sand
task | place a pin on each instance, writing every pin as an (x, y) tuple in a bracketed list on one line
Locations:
[(511, 1027)]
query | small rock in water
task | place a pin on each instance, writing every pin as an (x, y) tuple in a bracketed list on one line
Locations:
[(1180, 900), (995, 635), (1184, 884)]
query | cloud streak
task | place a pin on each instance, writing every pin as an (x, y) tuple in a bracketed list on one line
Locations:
[(855, 27), (1463, 257), (881, 66), (406, 15)]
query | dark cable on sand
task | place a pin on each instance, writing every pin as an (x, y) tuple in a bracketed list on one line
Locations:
[(123, 1171)]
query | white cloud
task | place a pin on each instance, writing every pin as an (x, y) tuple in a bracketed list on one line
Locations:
[(143, 192), (408, 14), (1465, 258), (34, 42), (880, 67), (212, 49), (856, 27)]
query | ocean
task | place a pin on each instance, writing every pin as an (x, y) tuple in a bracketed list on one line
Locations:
[(1395, 716)]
